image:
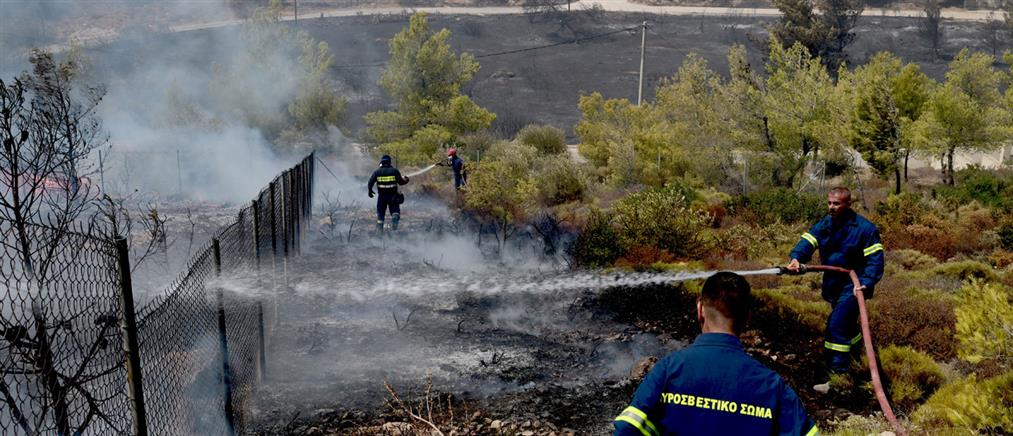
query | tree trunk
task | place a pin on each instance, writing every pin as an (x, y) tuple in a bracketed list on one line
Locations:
[(896, 188), (949, 165), (907, 155), (46, 367)]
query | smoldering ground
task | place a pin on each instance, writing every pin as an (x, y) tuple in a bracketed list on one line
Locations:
[(482, 324)]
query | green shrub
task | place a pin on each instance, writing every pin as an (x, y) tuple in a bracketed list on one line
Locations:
[(783, 301), (1005, 233), (598, 244), (974, 183), (781, 205), (970, 405), (966, 270), (913, 375), (546, 139), (661, 217), (985, 322), (858, 425), (911, 259), (903, 210), (560, 180)]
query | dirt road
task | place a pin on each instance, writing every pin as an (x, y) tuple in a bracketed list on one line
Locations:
[(96, 36)]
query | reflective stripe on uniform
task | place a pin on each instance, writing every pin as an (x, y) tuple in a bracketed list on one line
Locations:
[(386, 179), (873, 248), (386, 186), (633, 416), (856, 339), (812, 239), (843, 348), (813, 431)]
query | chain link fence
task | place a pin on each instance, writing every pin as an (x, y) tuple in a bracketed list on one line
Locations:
[(76, 357)]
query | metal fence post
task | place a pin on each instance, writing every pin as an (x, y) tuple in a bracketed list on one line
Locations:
[(274, 248), (256, 232), (128, 327), (262, 374), (286, 200), (223, 343)]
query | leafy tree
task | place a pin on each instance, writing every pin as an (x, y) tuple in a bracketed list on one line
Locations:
[(911, 90), (315, 105), (804, 111), (966, 112), (875, 117), (501, 189), (291, 98), (825, 34), (931, 24), (424, 78)]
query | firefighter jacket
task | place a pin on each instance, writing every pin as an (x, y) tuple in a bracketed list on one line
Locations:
[(386, 178), (713, 387), (457, 165), (851, 242)]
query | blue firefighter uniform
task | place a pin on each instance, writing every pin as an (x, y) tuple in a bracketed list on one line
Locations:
[(713, 387), (849, 241), (457, 165), (386, 178)]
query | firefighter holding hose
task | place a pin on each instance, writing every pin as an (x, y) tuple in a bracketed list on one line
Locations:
[(387, 178), (845, 239)]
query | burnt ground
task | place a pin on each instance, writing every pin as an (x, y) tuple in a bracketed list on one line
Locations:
[(539, 354), (494, 336)]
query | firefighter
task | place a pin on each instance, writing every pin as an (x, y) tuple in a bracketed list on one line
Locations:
[(844, 239), (457, 165), (387, 178), (713, 386)]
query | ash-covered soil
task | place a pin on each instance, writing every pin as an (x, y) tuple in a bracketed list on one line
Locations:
[(507, 343), (477, 324)]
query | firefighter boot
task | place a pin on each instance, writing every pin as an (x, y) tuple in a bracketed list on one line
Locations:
[(379, 226), (395, 219)]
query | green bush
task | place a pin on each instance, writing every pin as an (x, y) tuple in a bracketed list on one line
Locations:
[(901, 210), (781, 205), (546, 139), (971, 406), (984, 320), (966, 270), (913, 375), (1005, 233), (661, 217), (598, 244), (560, 180), (810, 313), (974, 183), (911, 259)]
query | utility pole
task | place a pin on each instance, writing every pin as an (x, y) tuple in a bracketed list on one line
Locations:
[(296, 11), (643, 42)]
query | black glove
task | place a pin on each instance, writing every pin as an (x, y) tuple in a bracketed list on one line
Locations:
[(371, 194), (406, 179)]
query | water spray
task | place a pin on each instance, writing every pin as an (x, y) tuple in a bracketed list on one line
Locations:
[(422, 171)]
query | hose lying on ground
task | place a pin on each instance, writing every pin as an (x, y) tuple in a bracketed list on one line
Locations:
[(884, 403)]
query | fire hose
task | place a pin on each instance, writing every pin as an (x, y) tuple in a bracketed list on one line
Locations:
[(870, 353)]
